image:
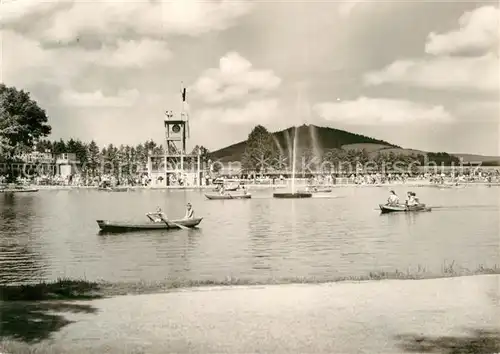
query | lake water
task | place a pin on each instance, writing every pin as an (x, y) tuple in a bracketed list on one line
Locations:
[(53, 234)]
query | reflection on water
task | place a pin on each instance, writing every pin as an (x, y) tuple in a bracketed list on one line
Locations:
[(53, 234), (17, 260)]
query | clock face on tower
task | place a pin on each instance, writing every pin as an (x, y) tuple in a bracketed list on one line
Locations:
[(176, 128)]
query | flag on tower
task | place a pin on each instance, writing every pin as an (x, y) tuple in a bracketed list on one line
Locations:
[(184, 113), (183, 93)]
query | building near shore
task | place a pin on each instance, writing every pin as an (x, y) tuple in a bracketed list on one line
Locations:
[(47, 163)]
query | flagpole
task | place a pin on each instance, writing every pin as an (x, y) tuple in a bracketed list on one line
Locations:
[(183, 108), (182, 99)]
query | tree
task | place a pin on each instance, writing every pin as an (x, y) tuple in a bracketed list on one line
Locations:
[(141, 156), (260, 152), (203, 151), (110, 159), (59, 147), (93, 157), (22, 123), (43, 145)]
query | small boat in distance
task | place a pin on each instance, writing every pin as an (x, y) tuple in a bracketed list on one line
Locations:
[(217, 196), (17, 189), (113, 189), (232, 188), (318, 189), (120, 226), (384, 208)]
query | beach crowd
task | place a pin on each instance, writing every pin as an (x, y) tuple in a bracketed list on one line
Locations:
[(144, 180)]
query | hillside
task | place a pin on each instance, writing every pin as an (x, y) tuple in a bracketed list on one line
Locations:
[(485, 160), (308, 137)]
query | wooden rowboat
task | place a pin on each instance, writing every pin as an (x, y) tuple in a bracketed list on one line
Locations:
[(18, 190), (384, 208), (120, 226), (113, 189), (228, 196)]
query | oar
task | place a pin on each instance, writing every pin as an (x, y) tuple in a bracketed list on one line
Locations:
[(175, 224)]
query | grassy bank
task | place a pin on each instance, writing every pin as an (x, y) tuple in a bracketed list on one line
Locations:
[(68, 289)]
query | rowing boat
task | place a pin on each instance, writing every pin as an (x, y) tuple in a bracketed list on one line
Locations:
[(228, 196), (384, 208), (319, 190), (18, 190), (113, 189), (227, 189), (120, 226)]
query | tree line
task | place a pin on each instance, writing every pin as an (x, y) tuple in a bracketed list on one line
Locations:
[(111, 157)]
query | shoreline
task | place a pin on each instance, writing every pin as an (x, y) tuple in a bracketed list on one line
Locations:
[(74, 289), (413, 184)]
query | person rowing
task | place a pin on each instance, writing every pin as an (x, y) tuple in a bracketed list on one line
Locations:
[(157, 216), (393, 199)]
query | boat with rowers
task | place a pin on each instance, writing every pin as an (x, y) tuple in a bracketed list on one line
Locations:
[(227, 189), (318, 189), (225, 196), (385, 208), (393, 205), (106, 186), (120, 226)]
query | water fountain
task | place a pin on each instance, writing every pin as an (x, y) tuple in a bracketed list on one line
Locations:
[(293, 193)]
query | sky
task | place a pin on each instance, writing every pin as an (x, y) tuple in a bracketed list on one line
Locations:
[(418, 74)]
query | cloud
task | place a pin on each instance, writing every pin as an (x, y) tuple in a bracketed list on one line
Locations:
[(64, 43), (25, 61), (377, 111), (479, 73), (67, 20), (253, 112), (478, 32), (235, 78), (124, 98), (466, 58)]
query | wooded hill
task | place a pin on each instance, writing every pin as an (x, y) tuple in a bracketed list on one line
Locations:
[(307, 137)]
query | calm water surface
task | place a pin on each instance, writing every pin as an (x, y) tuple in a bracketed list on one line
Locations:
[(53, 234)]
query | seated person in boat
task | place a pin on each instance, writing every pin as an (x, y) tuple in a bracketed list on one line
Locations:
[(222, 190), (415, 198), (243, 189), (393, 199), (158, 216), (410, 201), (189, 211)]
